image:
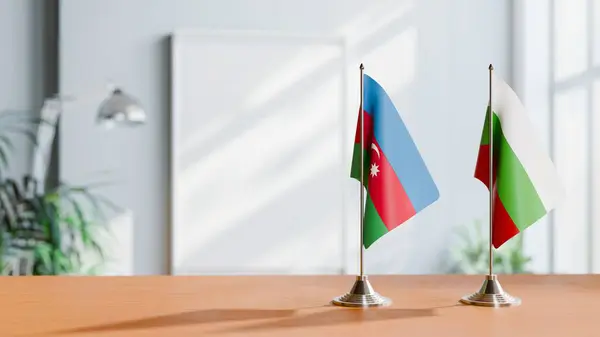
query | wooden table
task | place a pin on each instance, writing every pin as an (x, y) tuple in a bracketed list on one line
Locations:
[(292, 306)]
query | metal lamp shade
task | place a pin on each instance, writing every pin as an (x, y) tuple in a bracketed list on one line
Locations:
[(121, 109)]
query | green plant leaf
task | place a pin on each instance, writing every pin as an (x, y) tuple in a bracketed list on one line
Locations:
[(95, 245), (5, 140), (3, 158), (71, 193), (43, 253), (50, 216), (60, 262)]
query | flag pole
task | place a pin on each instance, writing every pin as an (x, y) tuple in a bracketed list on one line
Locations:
[(362, 294), (362, 171), (491, 183), (491, 293)]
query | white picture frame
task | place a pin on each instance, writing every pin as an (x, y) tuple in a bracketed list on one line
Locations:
[(221, 248)]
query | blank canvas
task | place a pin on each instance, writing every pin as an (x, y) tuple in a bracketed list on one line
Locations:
[(259, 154)]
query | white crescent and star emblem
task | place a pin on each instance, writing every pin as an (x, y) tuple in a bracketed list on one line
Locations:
[(374, 167), (374, 147)]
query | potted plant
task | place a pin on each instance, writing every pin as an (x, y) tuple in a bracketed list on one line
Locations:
[(471, 256), (45, 232)]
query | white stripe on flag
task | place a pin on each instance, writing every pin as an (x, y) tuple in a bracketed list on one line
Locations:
[(520, 135)]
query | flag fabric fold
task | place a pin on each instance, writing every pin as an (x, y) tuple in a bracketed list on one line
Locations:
[(526, 185), (397, 181)]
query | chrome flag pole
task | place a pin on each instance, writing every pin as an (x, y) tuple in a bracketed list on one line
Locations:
[(362, 293), (491, 293)]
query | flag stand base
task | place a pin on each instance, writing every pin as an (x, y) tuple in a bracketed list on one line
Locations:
[(361, 295), (491, 294)]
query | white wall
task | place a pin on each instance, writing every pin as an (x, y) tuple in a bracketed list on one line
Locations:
[(432, 55), (23, 62)]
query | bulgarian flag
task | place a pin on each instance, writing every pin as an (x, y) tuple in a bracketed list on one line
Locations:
[(397, 181), (526, 184)]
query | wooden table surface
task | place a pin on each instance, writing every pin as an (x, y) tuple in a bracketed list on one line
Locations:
[(292, 306)]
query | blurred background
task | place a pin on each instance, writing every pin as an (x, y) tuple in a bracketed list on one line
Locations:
[(233, 126)]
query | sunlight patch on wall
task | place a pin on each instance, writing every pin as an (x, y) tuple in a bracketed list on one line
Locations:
[(394, 64), (571, 159), (257, 153), (571, 38), (375, 18), (309, 61)]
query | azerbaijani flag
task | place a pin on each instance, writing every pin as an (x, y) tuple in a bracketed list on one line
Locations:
[(397, 181), (526, 184)]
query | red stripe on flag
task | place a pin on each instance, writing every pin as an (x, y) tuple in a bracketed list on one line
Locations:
[(368, 130), (386, 191), (482, 168), (504, 227)]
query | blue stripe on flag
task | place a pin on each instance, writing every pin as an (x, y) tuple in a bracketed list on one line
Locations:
[(398, 146)]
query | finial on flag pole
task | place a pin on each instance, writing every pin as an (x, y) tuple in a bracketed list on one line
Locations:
[(362, 293), (491, 293)]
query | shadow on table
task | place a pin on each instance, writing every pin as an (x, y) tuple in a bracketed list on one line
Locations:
[(277, 319), (334, 316), (185, 318)]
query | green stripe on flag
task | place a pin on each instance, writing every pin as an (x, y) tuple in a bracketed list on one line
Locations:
[(515, 189), (374, 228), (373, 225), (485, 136), (355, 170)]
